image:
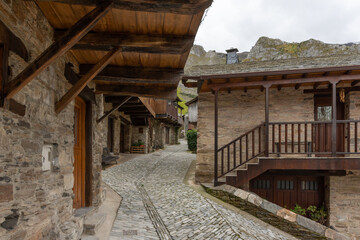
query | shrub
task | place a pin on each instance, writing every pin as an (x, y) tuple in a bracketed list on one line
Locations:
[(192, 139), (138, 143), (312, 212)]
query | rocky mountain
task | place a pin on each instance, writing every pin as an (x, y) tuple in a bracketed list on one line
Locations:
[(266, 49)]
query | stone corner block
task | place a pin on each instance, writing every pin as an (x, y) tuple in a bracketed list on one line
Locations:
[(241, 193), (68, 181), (271, 207), (255, 199), (332, 234), (310, 224), (287, 215), (229, 189)]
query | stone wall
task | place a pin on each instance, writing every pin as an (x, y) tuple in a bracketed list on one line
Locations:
[(240, 112), (36, 204), (144, 136)]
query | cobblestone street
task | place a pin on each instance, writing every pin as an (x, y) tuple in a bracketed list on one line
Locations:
[(158, 205)]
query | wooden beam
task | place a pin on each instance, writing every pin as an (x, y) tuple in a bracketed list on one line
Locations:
[(118, 99), (138, 91), (4, 58), (80, 85), (58, 48), (279, 87), (142, 43), (285, 81), (354, 83), (133, 109), (13, 42), (297, 86), (119, 74), (113, 109), (316, 85), (73, 78), (124, 120), (186, 7), (15, 107), (328, 91), (191, 84)]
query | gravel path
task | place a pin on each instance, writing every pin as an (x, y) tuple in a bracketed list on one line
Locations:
[(158, 205)]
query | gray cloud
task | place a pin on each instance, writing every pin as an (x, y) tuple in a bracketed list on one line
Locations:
[(239, 23)]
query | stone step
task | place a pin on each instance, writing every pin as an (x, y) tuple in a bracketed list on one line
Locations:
[(89, 237), (93, 222)]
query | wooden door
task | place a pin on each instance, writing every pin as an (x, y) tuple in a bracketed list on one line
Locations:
[(285, 191), (122, 138), (110, 141), (263, 186), (323, 112), (310, 191), (79, 153)]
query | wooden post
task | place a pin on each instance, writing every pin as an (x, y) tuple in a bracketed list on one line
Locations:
[(267, 120), (57, 49), (216, 139), (4, 56), (333, 129)]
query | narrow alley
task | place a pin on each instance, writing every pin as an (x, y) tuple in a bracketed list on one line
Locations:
[(157, 204)]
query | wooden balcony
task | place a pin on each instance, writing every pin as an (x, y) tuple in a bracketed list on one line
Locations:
[(310, 145), (167, 111)]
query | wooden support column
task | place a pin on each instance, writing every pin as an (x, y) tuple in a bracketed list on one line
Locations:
[(216, 183), (57, 49), (4, 56), (267, 120), (113, 109), (81, 84), (333, 129)]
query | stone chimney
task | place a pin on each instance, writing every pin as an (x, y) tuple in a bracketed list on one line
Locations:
[(231, 56)]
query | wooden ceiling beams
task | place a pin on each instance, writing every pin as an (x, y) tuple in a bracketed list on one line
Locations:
[(117, 106), (141, 43), (58, 48), (136, 75), (185, 7), (140, 91)]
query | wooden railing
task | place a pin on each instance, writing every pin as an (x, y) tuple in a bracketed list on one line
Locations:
[(312, 138)]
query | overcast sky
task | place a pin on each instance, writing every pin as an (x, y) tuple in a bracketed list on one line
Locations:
[(239, 23)]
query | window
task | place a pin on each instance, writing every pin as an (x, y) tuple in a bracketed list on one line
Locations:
[(261, 184), (309, 185), (285, 185), (324, 113)]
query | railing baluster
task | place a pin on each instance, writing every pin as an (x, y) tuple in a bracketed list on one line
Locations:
[(222, 161), (260, 140), (306, 137), (279, 146), (253, 143), (234, 154), (299, 139), (286, 138), (292, 137), (348, 137), (312, 137), (356, 140), (273, 137), (240, 150), (228, 160), (247, 147)]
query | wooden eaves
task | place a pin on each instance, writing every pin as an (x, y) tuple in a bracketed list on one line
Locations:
[(147, 37)]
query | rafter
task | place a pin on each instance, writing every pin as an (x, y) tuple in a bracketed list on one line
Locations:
[(118, 105), (188, 7), (81, 84), (119, 74), (139, 91), (13, 42), (141, 43), (57, 49)]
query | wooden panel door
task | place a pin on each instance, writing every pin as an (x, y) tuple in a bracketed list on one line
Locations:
[(310, 191), (263, 186), (323, 112), (122, 138), (285, 191), (79, 153)]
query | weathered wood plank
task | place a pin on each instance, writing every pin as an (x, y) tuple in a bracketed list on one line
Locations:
[(141, 43), (136, 74), (117, 106), (4, 56), (186, 7), (15, 107), (139, 91), (80, 85), (73, 78), (58, 48)]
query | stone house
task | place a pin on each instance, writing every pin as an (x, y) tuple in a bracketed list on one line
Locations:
[(58, 61), (287, 130), (154, 122), (192, 112)]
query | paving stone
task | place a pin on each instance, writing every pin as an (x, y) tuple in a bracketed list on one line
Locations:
[(153, 185), (310, 224)]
